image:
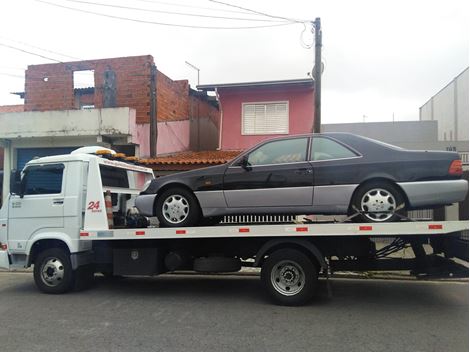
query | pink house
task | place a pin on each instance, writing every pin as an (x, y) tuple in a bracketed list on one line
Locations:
[(251, 112)]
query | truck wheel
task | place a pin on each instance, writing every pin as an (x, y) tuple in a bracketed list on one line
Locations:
[(53, 271), (290, 277), (177, 207)]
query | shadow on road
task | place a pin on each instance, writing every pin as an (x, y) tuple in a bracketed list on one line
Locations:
[(250, 289)]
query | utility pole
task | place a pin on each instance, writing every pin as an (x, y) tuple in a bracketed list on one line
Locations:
[(153, 112), (317, 75)]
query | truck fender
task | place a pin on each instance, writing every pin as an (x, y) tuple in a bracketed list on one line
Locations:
[(297, 242), (47, 236)]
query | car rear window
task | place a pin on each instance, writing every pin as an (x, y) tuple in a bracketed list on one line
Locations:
[(327, 149)]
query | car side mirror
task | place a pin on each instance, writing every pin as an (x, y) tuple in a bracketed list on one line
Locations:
[(245, 164), (15, 182)]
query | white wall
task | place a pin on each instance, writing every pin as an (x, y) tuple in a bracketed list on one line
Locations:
[(450, 108)]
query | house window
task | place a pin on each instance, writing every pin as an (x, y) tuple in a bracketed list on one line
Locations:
[(265, 118)]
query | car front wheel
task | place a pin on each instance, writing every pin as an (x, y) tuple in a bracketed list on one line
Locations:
[(378, 202), (177, 207)]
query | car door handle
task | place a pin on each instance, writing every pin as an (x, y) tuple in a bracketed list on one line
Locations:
[(57, 201), (304, 171)]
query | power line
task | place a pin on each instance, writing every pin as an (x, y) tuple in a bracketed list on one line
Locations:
[(158, 23), (190, 6), (11, 75), (259, 12), (28, 52), (170, 12), (39, 48)]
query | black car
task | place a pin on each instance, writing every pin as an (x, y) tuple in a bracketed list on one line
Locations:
[(327, 173)]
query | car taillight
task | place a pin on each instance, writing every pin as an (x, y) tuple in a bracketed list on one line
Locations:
[(3, 246), (455, 168)]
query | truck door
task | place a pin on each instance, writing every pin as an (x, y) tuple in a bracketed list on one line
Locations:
[(40, 208)]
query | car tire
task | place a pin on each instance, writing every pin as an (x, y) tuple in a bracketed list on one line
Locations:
[(375, 196), (289, 277), (53, 271), (177, 207)]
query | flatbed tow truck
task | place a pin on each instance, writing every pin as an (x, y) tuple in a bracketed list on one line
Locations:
[(72, 216)]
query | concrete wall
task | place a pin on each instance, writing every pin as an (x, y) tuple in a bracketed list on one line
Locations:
[(204, 123), (231, 100), (389, 132), (173, 136), (114, 122), (450, 108), (419, 135)]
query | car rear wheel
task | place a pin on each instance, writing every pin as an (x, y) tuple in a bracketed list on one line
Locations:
[(379, 202), (177, 207)]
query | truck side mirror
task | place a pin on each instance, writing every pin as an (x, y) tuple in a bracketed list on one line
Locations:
[(15, 182)]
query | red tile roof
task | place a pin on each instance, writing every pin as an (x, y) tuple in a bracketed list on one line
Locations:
[(194, 158), (11, 108)]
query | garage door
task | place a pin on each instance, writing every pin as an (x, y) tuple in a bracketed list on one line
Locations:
[(27, 154)]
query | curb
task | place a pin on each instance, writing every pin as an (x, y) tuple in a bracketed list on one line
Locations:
[(338, 275)]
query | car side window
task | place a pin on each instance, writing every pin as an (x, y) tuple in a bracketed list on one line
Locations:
[(280, 152), (43, 179), (327, 149)]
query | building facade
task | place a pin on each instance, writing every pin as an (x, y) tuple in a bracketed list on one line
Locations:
[(109, 102), (251, 112)]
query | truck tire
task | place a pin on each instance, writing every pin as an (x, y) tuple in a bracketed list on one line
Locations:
[(290, 277), (217, 265), (53, 271)]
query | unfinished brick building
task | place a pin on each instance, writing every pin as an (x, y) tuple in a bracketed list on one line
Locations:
[(186, 119)]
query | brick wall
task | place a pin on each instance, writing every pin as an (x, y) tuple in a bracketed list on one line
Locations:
[(50, 87), (172, 99)]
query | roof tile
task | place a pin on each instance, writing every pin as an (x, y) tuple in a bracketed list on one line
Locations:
[(194, 158)]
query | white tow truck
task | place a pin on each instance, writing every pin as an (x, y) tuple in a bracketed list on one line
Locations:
[(55, 219)]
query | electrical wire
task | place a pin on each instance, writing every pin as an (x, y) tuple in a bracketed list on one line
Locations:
[(302, 42), (11, 75), (28, 52), (158, 23), (39, 48), (190, 6), (169, 12), (259, 12)]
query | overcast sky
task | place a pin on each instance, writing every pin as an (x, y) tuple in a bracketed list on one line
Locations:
[(382, 58)]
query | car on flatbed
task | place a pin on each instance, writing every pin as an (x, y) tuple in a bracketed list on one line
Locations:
[(327, 173)]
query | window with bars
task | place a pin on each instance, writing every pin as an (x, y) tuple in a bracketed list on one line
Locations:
[(265, 118)]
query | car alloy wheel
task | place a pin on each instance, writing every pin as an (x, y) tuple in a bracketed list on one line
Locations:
[(378, 204), (175, 209)]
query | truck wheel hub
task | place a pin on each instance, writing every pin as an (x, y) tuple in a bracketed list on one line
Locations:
[(52, 272)]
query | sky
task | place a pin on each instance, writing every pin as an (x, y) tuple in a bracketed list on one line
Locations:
[(383, 59)]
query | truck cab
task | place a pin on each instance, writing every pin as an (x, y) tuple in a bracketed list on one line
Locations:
[(50, 197)]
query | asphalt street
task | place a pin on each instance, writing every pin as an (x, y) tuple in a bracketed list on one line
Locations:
[(231, 313)]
